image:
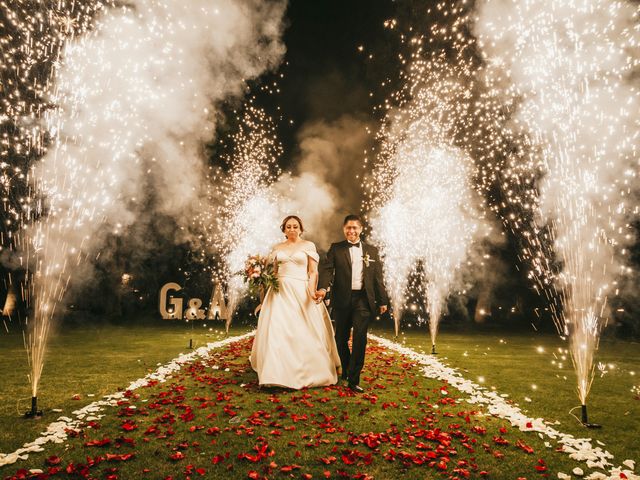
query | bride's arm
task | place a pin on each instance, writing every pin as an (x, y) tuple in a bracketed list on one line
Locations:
[(312, 272)]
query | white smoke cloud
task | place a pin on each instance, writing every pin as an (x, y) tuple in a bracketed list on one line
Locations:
[(313, 200), (326, 183)]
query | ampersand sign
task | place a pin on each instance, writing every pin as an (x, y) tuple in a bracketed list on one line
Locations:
[(194, 312)]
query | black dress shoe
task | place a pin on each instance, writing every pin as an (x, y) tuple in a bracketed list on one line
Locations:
[(356, 388)]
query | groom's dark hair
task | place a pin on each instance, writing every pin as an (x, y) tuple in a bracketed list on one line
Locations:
[(352, 218)]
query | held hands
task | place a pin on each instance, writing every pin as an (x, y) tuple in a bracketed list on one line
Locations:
[(319, 295)]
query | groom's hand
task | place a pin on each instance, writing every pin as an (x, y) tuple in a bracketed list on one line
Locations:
[(383, 309)]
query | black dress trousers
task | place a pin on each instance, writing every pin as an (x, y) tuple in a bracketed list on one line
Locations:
[(357, 316)]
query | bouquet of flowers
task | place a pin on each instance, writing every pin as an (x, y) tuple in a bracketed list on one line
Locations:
[(260, 275)]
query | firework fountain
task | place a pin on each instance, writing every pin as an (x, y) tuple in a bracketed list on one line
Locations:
[(250, 215), (565, 71), (37, 37), (125, 107), (425, 210)]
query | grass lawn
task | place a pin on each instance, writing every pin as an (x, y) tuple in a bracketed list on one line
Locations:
[(211, 420)]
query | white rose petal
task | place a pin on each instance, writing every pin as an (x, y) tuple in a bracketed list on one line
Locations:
[(597, 476), (617, 473), (34, 449)]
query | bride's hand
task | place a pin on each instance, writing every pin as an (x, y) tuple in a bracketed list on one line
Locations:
[(319, 295)]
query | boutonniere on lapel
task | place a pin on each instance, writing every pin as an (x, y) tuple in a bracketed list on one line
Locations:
[(366, 258)]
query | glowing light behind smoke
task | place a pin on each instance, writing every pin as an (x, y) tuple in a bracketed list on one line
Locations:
[(391, 229), (131, 109), (429, 220), (565, 70)]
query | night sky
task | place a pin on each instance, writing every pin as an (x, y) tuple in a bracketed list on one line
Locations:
[(325, 75)]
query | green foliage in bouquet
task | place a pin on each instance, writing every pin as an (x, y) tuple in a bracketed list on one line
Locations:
[(260, 275)]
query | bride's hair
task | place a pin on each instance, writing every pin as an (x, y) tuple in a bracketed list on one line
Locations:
[(289, 217)]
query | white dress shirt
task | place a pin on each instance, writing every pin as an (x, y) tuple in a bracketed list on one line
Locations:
[(356, 267)]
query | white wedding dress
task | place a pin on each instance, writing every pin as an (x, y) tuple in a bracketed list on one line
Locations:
[(294, 345)]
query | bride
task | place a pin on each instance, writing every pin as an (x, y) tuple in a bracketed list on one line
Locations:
[(294, 345)]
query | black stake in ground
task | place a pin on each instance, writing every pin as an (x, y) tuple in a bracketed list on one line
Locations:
[(585, 420), (34, 412), (191, 339)]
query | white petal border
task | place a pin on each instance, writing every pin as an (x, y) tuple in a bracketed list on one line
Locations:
[(579, 449), (57, 431)]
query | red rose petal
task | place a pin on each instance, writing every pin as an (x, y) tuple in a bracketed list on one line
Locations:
[(177, 456), (98, 443), (119, 457)]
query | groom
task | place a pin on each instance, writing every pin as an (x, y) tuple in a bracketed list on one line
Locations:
[(353, 272)]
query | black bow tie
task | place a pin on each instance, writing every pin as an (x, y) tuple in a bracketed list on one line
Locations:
[(356, 245)]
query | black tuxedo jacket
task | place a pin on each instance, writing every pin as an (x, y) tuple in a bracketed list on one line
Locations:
[(335, 273)]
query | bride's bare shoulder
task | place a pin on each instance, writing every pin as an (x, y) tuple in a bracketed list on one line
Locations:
[(277, 246), (309, 245)]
